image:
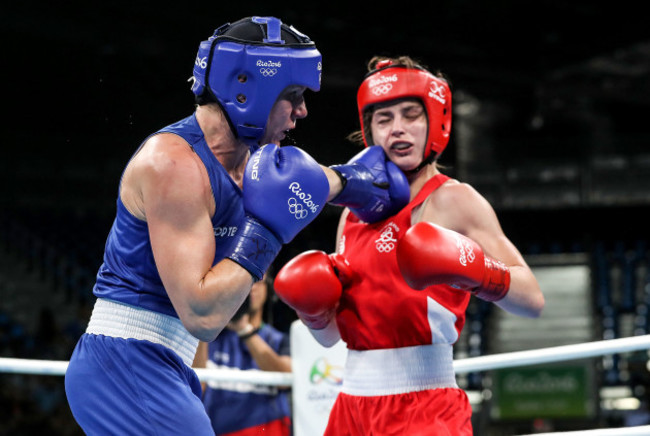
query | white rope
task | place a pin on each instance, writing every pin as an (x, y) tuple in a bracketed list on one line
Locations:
[(253, 376), (495, 361), (552, 354), (643, 430), (58, 367), (30, 366), (483, 363)]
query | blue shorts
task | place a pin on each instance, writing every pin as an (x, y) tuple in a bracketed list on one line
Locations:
[(133, 387)]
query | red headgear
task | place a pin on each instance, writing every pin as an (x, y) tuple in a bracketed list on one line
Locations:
[(391, 82)]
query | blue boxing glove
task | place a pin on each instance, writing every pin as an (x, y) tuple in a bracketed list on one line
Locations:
[(374, 188), (284, 189)]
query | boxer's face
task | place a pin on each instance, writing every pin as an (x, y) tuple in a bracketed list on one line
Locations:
[(401, 129), (288, 108)]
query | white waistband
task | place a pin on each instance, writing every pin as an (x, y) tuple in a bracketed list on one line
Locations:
[(399, 370), (119, 320)]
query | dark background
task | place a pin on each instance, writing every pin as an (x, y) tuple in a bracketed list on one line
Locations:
[(551, 101), (550, 123), (550, 97)]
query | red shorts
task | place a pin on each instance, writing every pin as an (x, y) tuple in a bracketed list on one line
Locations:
[(440, 412)]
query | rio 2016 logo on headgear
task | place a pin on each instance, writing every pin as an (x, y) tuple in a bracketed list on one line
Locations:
[(268, 68), (245, 66), (391, 82), (323, 371), (383, 85), (201, 62)]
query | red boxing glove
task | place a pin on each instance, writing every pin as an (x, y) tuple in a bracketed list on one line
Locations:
[(428, 255), (311, 284)]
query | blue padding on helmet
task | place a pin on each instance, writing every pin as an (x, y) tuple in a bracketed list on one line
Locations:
[(246, 77)]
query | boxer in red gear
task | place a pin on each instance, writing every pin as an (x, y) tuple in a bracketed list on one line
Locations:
[(447, 243)]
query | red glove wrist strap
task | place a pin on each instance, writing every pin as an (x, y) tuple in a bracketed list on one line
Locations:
[(496, 282)]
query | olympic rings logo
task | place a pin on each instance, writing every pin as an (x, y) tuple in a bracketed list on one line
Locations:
[(385, 247), (268, 72), (382, 89), (437, 92), (305, 197), (297, 209), (465, 252), (386, 241)]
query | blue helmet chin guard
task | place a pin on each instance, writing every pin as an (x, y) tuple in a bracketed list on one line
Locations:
[(244, 66)]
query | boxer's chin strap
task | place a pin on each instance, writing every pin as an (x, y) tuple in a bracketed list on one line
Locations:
[(425, 162)]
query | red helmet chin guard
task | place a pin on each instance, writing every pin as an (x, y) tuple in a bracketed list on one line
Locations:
[(392, 82)]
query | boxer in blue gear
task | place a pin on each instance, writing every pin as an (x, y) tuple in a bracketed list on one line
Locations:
[(188, 242)]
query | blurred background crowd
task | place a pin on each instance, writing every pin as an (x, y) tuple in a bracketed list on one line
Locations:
[(549, 125)]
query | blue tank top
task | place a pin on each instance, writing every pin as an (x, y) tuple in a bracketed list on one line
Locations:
[(128, 273)]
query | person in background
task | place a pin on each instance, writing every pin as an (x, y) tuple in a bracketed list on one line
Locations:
[(248, 342), (396, 290)]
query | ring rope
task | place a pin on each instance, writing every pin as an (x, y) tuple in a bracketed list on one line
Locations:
[(552, 354), (482, 363), (472, 364), (643, 430), (59, 367)]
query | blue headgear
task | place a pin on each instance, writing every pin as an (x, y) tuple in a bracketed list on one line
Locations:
[(245, 66)]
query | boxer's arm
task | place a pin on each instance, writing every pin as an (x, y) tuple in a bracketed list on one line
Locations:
[(458, 207), (327, 336), (177, 201), (177, 206), (339, 230), (334, 181)]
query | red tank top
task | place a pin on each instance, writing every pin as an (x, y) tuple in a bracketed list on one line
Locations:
[(379, 310)]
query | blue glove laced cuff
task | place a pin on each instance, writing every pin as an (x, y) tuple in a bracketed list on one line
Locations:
[(374, 188), (356, 180), (255, 247)]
